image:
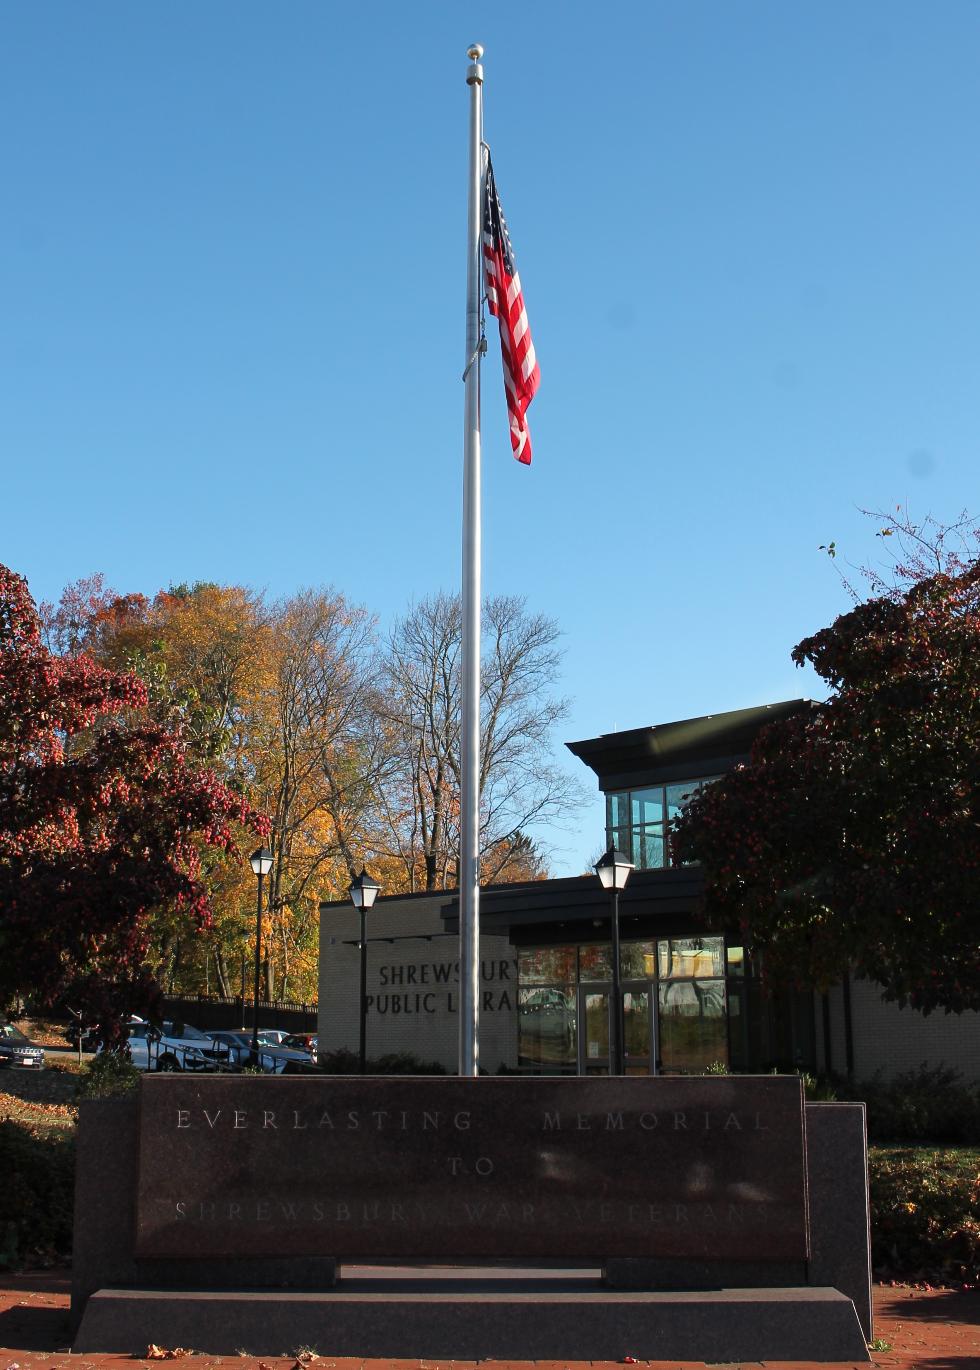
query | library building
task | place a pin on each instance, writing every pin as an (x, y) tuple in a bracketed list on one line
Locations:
[(691, 996)]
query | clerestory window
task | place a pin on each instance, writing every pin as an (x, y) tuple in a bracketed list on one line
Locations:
[(638, 821)]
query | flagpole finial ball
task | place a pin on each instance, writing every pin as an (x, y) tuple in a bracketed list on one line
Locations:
[(474, 52)]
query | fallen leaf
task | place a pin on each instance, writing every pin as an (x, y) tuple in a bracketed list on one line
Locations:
[(154, 1352)]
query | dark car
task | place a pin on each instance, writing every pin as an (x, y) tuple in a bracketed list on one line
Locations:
[(18, 1050), (87, 1032), (274, 1059), (302, 1041)]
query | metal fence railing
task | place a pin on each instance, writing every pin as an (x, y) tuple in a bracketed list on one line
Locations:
[(219, 1011)]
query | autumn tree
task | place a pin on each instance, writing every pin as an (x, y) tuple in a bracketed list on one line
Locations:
[(317, 753), (200, 651), (520, 784), (354, 758), (197, 648), (852, 837), (104, 818)]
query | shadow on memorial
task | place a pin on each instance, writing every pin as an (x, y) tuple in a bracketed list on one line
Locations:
[(518, 1217)]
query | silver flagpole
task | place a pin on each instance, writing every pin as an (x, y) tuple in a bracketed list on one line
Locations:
[(469, 759)]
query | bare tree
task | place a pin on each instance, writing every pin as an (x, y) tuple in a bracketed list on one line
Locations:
[(520, 783), (914, 548), (318, 755)]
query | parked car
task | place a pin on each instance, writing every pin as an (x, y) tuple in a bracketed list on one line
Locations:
[(18, 1051), (274, 1059), (303, 1041), (177, 1046), (86, 1031), (273, 1037), (89, 1031), (239, 1045), (548, 1013)]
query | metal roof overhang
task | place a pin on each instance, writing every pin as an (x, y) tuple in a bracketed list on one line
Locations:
[(681, 750), (649, 895)]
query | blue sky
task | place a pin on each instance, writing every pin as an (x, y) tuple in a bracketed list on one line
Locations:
[(231, 329)]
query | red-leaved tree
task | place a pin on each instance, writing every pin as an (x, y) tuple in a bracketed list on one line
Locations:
[(852, 837), (102, 821)]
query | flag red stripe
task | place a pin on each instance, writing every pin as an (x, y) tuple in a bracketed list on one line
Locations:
[(502, 284)]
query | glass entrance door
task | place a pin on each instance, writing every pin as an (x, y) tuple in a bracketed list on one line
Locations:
[(639, 1032), (593, 1014)]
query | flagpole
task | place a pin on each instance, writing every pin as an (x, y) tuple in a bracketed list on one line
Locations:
[(469, 865)]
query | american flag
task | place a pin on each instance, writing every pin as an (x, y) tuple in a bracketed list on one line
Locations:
[(506, 303)]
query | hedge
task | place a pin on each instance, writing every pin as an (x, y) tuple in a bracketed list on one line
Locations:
[(925, 1214)]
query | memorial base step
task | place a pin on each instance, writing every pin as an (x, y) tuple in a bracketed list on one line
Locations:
[(476, 1315)]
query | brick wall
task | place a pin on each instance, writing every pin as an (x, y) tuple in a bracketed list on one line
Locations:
[(892, 1039), (412, 984)]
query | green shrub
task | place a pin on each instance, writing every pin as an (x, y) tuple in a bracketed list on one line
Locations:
[(106, 1075), (927, 1104), (818, 1088), (925, 1213), (37, 1192)]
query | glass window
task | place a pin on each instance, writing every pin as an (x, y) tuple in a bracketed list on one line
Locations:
[(678, 795), (736, 960), (648, 848), (647, 806), (546, 1028), (636, 1032), (622, 840), (546, 965), (637, 821), (690, 956), (596, 1029), (594, 963), (687, 974), (693, 1025), (617, 810), (637, 960)]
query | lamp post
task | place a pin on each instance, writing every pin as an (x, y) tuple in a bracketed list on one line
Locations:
[(261, 863), (613, 870), (363, 892)]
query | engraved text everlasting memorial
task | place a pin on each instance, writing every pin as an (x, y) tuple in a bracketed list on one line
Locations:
[(361, 1168)]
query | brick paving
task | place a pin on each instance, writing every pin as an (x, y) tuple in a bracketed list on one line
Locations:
[(936, 1329)]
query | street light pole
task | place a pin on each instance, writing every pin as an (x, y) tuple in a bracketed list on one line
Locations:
[(261, 863), (363, 892), (617, 989), (362, 1036), (613, 869)]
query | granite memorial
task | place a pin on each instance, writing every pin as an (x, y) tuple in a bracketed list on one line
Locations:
[(242, 1197)]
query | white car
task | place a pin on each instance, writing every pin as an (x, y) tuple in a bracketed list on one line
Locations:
[(177, 1047)]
